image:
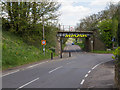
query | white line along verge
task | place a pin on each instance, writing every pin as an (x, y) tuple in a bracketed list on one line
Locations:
[(96, 66), (36, 65), (89, 71), (28, 83), (55, 69), (82, 81), (86, 75), (10, 73), (23, 69)]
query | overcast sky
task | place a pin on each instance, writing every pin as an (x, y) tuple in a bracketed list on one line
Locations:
[(74, 10)]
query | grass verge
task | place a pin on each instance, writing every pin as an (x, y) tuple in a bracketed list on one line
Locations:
[(15, 52)]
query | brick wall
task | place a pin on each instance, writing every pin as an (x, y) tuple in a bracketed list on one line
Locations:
[(98, 44)]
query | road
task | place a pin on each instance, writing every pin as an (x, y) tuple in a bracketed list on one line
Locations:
[(61, 73)]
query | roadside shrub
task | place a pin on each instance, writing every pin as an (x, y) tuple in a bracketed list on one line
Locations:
[(117, 66), (116, 56)]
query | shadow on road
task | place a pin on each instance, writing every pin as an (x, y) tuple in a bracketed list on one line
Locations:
[(72, 50)]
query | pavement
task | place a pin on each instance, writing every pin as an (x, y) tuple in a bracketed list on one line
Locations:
[(59, 73)]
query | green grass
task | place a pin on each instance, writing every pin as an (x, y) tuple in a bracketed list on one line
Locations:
[(15, 52), (103, 52), (80, 44)]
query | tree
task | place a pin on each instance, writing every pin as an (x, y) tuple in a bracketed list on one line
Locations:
[(118, 33), (25, 19), (105, 30)]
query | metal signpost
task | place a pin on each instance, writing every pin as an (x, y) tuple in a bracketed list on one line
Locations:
[(43, 41)]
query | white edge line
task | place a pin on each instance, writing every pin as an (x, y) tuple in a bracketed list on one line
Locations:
[(10, 73), (89, 71), (95, 66), (23, 69), (35, 65), (82, 81), (86, 75), (27, 83), (55, 69)]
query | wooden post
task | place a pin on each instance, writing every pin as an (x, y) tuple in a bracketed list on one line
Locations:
[(69, 54), (60, 47), (52, 56)]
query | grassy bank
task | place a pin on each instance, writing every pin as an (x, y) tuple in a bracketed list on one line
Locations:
[(15, 52)]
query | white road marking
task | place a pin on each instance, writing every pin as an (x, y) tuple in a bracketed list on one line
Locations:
[(86, 75), (23, 69), (82, 81), (28, 83), (55, 69), (10, 73), (96, 66), (89, 71), (68, 62), (35, 65)]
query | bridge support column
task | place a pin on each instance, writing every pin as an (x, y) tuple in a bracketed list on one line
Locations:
[(57, 49), (59, 46), (86, 44)]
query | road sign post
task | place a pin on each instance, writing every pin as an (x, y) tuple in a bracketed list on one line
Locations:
[(43, 42)]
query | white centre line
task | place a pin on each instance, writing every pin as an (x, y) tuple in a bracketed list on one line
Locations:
[(27, 83), (55, 69), (82, 82)]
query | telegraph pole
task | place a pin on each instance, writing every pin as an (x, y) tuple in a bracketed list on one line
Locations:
[(43, 35)]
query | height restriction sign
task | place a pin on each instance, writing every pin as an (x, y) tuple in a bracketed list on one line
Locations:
[(43, 42)]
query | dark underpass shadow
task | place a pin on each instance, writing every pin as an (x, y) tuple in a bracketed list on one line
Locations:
[(72, 50)]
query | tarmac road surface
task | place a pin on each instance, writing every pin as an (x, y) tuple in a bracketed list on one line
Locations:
[(59, 73)]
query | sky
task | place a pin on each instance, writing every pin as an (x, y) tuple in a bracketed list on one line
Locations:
[(73, 10)]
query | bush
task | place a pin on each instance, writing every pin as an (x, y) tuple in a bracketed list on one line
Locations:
[(117, 66), (116, 56)]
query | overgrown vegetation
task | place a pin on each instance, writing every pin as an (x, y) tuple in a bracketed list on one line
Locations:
[(23, 31), (105, 23), (16, 52), (116, 57)]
